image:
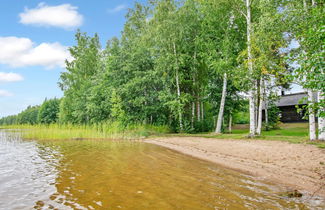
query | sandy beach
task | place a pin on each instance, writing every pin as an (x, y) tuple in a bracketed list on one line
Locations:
[(296, 166)]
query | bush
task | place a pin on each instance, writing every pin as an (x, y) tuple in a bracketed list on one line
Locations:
[(273, 117), (241, 118)]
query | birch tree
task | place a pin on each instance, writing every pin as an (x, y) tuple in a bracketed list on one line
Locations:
[(321, 117), (311, 115), (252, 92), (222, 104), (246, 11), (306, 20), (77, 80), (260, 108), (222, 41)]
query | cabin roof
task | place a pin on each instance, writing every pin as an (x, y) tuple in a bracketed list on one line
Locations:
[(293, 99)]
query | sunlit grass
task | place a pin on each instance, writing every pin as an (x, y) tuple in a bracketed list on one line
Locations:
[(113, 130), (291, 132)]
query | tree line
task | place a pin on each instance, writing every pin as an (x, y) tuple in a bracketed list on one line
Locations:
[(46, 113), (193, 64)]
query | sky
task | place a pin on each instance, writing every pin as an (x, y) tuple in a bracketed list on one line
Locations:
[(34, 41)]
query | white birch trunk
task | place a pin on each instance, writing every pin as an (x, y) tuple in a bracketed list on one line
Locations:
[(266, 114), (260, 108), (312, 123), (321, 120), (266, 104), (222, 104), (202, 111), (230, 123), (178, 90), (198, 109), (256, 106), (179, 96), (193, 103), (252, 122), (193, 114), (305, 5)]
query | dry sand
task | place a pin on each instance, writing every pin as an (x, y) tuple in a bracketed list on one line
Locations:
[(297, 166)]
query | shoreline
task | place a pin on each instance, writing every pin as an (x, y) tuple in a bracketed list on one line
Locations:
[(294, 166)]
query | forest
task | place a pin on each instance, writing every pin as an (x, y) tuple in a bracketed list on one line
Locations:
[(194, 66)]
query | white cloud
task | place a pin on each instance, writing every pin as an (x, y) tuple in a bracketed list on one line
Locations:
[(10, 77), (19, 52), (118, 8), (64, 16), (4, 93)]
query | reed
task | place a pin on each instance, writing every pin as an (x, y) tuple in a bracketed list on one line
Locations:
[(108, 130)]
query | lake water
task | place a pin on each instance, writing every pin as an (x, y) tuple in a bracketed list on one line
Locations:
[(125, 175)]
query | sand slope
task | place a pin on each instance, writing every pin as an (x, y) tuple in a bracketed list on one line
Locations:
[(297, 166)]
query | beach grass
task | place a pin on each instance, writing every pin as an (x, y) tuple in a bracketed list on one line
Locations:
[(290, 132), (112, 130)]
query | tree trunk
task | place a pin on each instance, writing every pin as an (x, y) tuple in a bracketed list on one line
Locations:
[(252, 122), (145, 104), (222, 104), (266, 114), (178, 91), (202, 111), (198, 109), (313, 3), (230, 123), (260, 108), (305, 5), (193, 102), (193, 114), (312, 124), (321, 120), (179, 96), (266, 105), (256, 87)]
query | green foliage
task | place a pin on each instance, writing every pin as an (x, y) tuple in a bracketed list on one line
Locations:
[(306, 20), (9, 120), (167, 68), (273, 117), (77, 81), (27, 116), (117, 113), (48, 112), (241, 118)]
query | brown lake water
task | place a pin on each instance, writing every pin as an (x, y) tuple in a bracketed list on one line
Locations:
[(125, 175)]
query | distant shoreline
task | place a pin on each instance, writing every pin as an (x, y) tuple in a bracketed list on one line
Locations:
[(296, 166)]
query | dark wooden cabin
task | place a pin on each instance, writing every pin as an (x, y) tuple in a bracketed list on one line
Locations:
[(287, 105)]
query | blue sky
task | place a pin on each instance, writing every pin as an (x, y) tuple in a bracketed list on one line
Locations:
[(34, 36)]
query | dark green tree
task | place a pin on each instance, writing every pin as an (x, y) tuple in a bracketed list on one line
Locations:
[(48, 112)]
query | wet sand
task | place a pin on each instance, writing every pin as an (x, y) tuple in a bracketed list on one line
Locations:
[(297, 166)]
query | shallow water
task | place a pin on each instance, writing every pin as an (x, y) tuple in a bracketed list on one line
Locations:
[(125, 175)]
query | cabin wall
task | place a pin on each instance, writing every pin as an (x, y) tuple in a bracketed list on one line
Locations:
[(290, 114)]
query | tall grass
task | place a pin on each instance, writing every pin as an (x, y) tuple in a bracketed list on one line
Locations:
[(109, 130), (293, 132)]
